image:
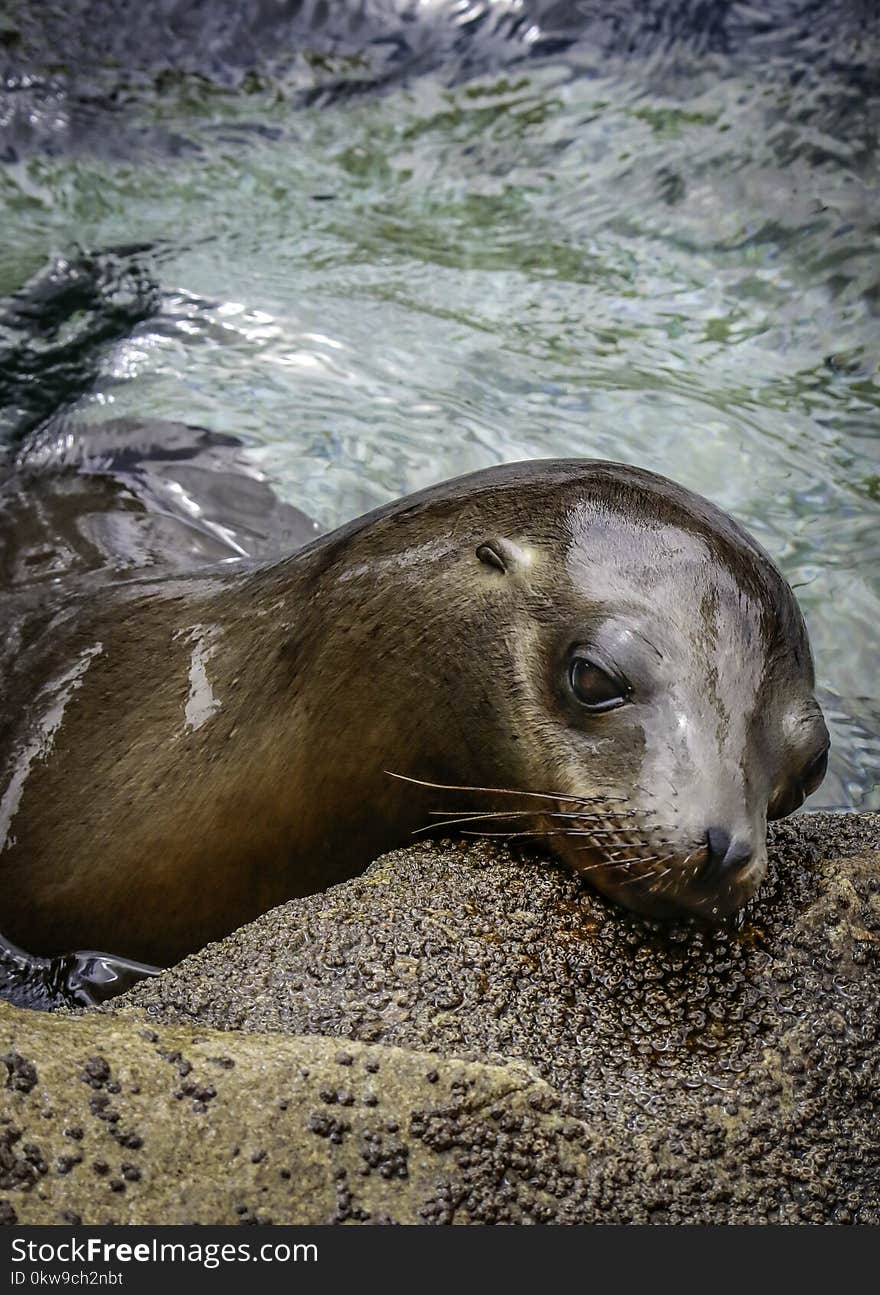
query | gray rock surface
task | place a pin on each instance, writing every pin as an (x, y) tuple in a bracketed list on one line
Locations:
[(103, 1121)]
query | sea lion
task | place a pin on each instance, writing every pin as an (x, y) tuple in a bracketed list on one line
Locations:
[(581, 654)]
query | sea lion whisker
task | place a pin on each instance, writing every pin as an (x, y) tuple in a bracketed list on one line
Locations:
[(509, 791), (603, 864), (674, 882), (578, 815), (594, 835), (642, 875), (506, 836), (470, 818), (613, 816), (489, 815)]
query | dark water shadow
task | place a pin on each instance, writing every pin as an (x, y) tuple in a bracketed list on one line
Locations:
[(56, 331)]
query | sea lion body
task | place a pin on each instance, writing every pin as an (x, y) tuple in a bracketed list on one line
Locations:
[(181, 754)]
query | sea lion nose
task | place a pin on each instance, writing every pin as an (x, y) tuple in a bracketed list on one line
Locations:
[(726, 856)]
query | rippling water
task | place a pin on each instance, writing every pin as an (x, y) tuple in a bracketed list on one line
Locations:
[(666, 255)]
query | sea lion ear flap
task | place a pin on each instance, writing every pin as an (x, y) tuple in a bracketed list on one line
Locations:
[(499, 553)]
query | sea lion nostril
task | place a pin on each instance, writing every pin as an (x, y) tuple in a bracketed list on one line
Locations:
[(718, 842), (726, 855)]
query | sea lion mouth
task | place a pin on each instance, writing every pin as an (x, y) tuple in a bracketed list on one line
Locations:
[(616, 847), (674, 885)]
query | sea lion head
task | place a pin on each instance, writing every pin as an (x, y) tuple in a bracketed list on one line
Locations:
[(658, 674)]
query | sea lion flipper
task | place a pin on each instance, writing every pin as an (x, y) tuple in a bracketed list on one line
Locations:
[(82, 979)]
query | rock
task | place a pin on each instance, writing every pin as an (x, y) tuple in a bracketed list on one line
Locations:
[(744, 1060), (617, 1070), (104, 1121)]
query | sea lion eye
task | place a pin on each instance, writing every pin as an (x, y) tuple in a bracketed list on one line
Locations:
[(594, 687), (812, 776)]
